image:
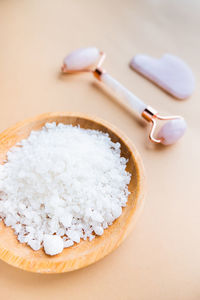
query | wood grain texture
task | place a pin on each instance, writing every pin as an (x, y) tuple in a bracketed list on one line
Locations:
[(84, 253)]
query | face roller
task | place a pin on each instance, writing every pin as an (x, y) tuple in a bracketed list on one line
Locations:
[(90, 60)]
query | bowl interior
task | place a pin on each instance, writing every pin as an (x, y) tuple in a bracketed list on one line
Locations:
[(85, 252)]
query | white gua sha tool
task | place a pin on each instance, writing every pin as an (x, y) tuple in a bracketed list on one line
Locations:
[(90, 60)]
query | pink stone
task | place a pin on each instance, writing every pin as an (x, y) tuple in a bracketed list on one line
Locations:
[(80, 59), (169, 72), (172, 131)]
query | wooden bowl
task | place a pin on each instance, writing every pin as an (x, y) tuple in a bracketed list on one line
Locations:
[(84, 253)]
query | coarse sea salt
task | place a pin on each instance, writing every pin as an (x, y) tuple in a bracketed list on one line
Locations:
[(62, 184)]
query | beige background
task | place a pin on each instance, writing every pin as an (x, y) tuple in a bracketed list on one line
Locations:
[(161, 258)]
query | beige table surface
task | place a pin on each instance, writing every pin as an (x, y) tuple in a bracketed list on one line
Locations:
[(161, 257)]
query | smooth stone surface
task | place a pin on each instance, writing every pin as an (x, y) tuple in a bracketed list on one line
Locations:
[(172, 131), (81, 59), (169, 72)]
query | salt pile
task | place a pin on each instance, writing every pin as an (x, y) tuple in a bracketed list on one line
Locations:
[(62, 184)]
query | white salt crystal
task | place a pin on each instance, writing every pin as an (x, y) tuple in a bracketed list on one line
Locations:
[(74, 235), (66, 220), (53, 244), (68, 243), (98, 230), (62, 184), (97, 217), (34, 244)]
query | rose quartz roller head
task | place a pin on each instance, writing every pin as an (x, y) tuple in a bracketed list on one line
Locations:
[(90, 60)]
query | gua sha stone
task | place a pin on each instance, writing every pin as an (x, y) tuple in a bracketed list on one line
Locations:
[(169, 72), (80, 59)]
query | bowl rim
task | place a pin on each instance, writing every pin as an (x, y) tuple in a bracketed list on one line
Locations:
[(23, 263)]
